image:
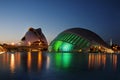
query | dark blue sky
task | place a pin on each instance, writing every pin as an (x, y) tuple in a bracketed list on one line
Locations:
[(55, 16)]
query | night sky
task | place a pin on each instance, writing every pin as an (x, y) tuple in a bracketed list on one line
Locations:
[(55, 16)]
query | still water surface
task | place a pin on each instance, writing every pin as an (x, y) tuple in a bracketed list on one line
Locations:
[(59, 66)]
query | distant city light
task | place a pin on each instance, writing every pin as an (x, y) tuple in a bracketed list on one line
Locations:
[(12, 43), (29, 43)]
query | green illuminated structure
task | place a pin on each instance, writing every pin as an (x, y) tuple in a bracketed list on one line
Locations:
[(63, 60), (77, 39)]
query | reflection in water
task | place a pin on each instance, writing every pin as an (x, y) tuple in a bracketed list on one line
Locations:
[(96, 60), (39, 60), (104, 60), (115, 62), (29, 61), (48, 62), (34, 59), (66, 59), (63, 59), (43, 66), (12, 63), (99, 60)]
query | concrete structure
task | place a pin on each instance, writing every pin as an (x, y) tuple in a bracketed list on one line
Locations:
[(34, 38), (2, 49), (79, 40)]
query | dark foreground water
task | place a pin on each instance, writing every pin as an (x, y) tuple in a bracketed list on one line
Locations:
[(59, 66)]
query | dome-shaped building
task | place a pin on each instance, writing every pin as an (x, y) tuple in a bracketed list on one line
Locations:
[(80, 40)]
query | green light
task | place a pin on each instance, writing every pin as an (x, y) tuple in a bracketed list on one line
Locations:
[(65, 38), (68, 42), (63, 60), (66, 47), (76, 40), (58, 59), (83, 45), (70, 38), (66, 59), (88, 44), (57, 45)]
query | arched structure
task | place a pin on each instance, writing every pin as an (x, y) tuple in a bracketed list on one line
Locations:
[(2, 50), (78, 39), (35, 38)]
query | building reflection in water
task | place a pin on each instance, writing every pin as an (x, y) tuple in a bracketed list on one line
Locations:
[(96, 60), (29, 61), (99, 60), (39, 60), (34, 59), (48, 62), (63, 60), (114, 62), (12, 63)]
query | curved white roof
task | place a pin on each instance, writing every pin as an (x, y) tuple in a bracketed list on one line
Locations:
[(34, 35)]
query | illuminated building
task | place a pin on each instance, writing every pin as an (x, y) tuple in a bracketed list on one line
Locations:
[(80, 40), (2, 50), (34, 37)]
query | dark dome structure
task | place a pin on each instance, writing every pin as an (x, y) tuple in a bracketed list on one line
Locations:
[(78, 39)]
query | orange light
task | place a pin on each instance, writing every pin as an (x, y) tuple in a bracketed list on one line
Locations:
[(29, 43), (39, 59), (12, 43), (114, 62), (29, 61), (12, 63), (48, 62)]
